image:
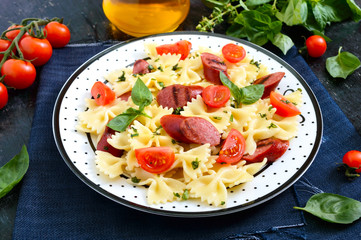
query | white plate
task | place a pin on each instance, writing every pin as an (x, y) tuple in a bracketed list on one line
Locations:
[(77, 148)]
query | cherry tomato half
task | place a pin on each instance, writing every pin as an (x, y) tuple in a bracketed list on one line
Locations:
[(216, 96), (155, 159), (353, 159), (3, 95), (57, 34), (233, 148), (102, 94), (18, 74), (4, 45), (284, 107), (316, 46), (233, 53), (36, 50), (182, 47)]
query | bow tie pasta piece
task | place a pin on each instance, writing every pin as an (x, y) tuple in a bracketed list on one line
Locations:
[(162, 189), (110, 165)]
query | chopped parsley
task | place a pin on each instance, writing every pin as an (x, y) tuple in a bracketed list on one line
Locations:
[(106, 148), (122, 77), (285, 101), (272, 125), (156, 130), (256, 63), (223, 202), (161, 84), (150, 67), (134, 135), (195, 164), (99, 95), (135, 180), (270, 108), (175, 67), (217, 118), (178, 110), (231, 118), (185, 194), (263, 115), (160, 68), (174, 141), (176, 194)]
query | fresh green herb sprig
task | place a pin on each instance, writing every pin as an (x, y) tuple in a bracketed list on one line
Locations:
[(142, 97), (245, 95), (333, 208), (261, 21), (13, 171)]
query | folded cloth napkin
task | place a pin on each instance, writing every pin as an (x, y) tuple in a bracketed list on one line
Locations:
[(55, 204)]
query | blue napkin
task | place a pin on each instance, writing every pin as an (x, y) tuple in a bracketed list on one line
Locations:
[(55, 204)]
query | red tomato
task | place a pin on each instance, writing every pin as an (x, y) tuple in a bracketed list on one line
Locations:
[(284, 107), (233, 148), (4, 45), (182, 47), (316, 46), (102, 94), (3, 95), (353, 160), (12, 34), (18, 74), (36, 50), (57, 34), (233, 53), (216, 96), (155, 159)]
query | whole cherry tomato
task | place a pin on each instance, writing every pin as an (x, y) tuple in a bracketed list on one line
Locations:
[(316, 46), (353, 160), (3, 95), (57, 34), (36, 50), (233, 53), (12, 34), (4, 45), (18, 74)]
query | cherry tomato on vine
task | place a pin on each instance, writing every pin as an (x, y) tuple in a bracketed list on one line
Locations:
[(155, 159), (316, 46), (3, 95), (353, 159), (12, 34), (216, 96), (182, 47), (233, 148), (284, 107), (4, 45), (57, 34), (102, 94), (36, 50), (18, 74), (233, 53)]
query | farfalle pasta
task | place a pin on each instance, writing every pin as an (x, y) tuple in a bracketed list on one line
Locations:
[(196, 171)]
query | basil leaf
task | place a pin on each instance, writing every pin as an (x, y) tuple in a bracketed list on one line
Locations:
[(13, 171), (293, 13), (333, 208), (252, 3), (342, 65), (123, 120), (356, 11), (283, 42), (141, 95), (251, 93), (232, 87)]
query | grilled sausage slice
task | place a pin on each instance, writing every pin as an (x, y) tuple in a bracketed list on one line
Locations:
[(270, 148), (141, 67), (177, 95), (104, 146), (212, 65), (270, 82)]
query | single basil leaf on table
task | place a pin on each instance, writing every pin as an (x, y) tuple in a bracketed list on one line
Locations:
[(342, 65), (251, 93), (13, 171), (333, 208), (141, 95), (123, 120)]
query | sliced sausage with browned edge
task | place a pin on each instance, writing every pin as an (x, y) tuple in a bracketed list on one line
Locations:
[(270, 148), (270, 82), (104, 146), (171, 125), (212, 65), (177, 95), (141, 67), (190, 129)]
